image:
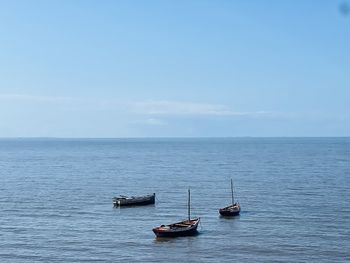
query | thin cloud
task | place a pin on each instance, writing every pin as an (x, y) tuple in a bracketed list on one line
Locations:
[(67, 103), (150, 122), (187, 108), (146, 108)]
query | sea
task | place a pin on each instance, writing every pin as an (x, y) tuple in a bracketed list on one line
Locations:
[(56, 199)]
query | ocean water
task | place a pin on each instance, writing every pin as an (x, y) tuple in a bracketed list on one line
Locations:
[(56, 199)]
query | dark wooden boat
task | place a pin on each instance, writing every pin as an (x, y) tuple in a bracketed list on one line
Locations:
[(232, 210), (134, 200), (186, 227)]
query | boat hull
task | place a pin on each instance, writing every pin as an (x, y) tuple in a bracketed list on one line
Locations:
[(137, 201), (173, 231), (232, 210)]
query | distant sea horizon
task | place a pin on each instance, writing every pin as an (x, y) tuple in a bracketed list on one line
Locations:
[(169, 137)]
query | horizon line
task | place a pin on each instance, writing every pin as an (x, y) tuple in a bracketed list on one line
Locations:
[(163, 137)]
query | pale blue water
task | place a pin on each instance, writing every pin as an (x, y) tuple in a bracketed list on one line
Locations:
[(56, 199)]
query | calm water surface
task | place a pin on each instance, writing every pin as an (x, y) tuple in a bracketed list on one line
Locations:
[(56, 199)]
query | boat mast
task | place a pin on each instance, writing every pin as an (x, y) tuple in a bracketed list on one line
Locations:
[(189, 205), (232, 192)]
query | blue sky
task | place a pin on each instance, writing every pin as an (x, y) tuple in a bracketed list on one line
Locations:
[(174, 68)]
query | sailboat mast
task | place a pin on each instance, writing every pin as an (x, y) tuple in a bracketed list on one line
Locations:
[(189, 205), (232, 192)]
